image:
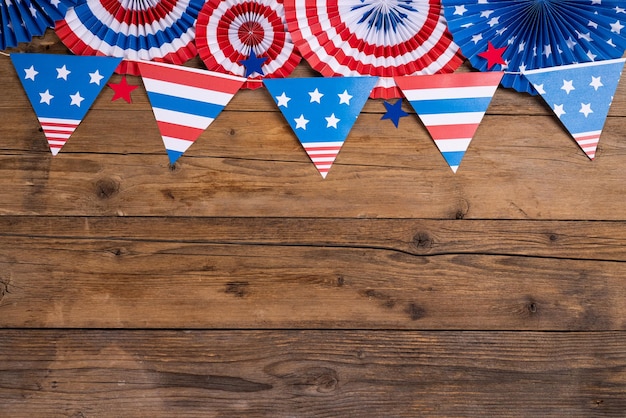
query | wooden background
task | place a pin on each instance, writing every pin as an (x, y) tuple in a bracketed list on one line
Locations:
[(240, 283)]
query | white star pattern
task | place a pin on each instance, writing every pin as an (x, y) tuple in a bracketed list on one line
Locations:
[(521, 46), (30, 73), (570, 43), (486, 13), (596, 83), (63, 72), (619, 10), (539, 88), (568, 86), (585, 36), (316, 96), (283, 100), (46, 97), (494, 21), (558, 110), (547, 50), (596, 2), (33, 11), (95, 77), (331, 121), (610, 42), (460, 10), (591, 55), (592, 24), (477, 38), (344, 98), (585, 108), (616, 27), (55, 3), (500, 32), (301, 122), (76, 99)]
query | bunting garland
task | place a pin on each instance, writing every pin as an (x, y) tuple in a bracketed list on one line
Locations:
[(321, 111), (580, 95), (185, 101), (61, 89), (451, 106)]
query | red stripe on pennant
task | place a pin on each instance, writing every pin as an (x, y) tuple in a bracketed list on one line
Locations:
[(452, 131), (179, 131), (190, 78), (477, 79)]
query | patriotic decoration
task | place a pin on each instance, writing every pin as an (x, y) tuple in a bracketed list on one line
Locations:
[(451, 106), (20, 20), (61, 89), (185, 101), (520, 35), (385, 38), (580, 95), (321, 111), (159, 30), (246, 38)]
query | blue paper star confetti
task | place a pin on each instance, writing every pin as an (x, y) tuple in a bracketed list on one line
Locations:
[(321, 111), (394, 112), (61, 89), (580, 95), (253, 64)]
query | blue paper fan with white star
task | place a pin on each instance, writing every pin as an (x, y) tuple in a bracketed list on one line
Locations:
[(20, 20), (519, 35), (61, 89), (321, 111)]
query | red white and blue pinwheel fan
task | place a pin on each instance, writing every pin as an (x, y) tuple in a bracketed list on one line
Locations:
[(246, 38), (520, 35), (20, 20), (384, 38), (159, 30)]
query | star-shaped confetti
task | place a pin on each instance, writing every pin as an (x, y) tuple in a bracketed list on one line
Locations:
[(122, 90), (493, 55), (253, 64), (394, 112)]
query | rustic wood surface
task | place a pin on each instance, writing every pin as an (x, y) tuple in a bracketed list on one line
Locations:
[(238, 282)]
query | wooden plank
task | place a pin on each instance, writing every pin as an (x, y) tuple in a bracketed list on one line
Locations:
[(311, 373), (170, 273), (237, 169)]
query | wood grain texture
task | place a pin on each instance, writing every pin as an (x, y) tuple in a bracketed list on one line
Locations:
[(311, 373), (331, 273), (238, 282)]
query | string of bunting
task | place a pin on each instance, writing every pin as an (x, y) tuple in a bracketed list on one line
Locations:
[(572, 60)]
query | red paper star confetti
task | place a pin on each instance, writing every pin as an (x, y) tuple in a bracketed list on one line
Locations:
[(493, 55), (122, 90)]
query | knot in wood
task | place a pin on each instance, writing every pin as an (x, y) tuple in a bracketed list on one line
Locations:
[(106, 188), (422, 240), (321, 379)]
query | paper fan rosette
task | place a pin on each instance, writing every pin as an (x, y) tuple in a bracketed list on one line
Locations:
[(20, 20), (384, 38), (149, 30), (246, 38), (521, 35)]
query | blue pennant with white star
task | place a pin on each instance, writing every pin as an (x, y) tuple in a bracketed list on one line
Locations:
[(580, 95), (321, 111), (61, 89)]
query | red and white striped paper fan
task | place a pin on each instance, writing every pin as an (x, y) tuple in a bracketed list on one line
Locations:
[(384, 38), (228, 31), (150, 30)]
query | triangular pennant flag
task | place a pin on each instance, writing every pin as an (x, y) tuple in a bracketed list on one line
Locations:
[(321, 111), (451, 106), (61, 89), (185, 101), (580, 95)]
